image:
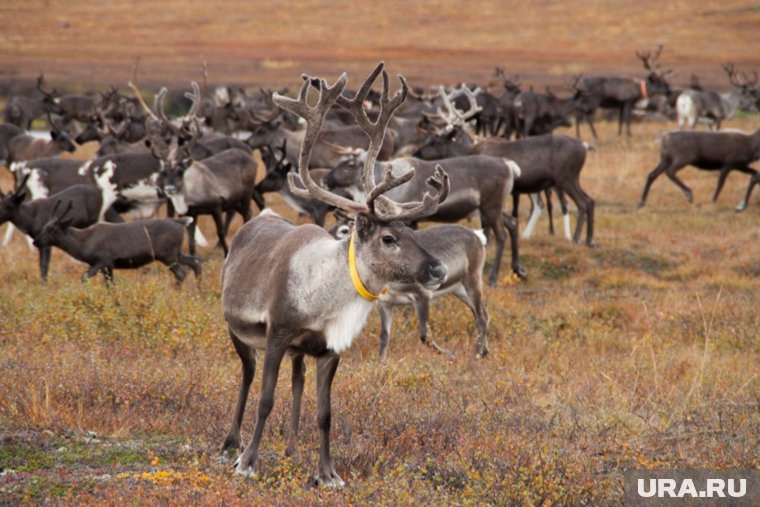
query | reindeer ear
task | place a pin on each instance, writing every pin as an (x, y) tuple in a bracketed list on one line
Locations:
[(365, 225)]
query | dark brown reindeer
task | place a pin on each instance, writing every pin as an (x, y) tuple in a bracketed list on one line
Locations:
[(132, 245), (288, 289), (710, 151), (541, 113), (619, 93), (549, 161), (85, 203)]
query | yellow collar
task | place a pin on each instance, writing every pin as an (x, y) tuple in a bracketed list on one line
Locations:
[(354, 270)]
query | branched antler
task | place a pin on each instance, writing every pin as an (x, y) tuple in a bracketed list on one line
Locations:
[(315, 117), (382, 207), (453, 116)]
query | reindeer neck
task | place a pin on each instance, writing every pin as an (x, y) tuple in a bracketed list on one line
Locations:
[(24, 217), (72, 242)]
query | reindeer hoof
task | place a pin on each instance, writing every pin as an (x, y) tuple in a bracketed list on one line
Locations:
[(248, 470), (520, 272), (329, 481)]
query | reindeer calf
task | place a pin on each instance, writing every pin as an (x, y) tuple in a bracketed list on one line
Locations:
[(106, 246)]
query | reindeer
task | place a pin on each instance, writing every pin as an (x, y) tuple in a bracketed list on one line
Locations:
[(296, 290), (276, 180), (28, 147), (621, 93), (268, 132), (221, 183), (549, 161), (694, 104), (7, 133), (479, 183), (132, 245), (542, 113), (22, 111), (710, 151), (463, 251), (86, 203)]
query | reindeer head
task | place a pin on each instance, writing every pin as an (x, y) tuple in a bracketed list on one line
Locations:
[(388, 247), (10, 202), (744, 84), (657, 77), (56, 227)]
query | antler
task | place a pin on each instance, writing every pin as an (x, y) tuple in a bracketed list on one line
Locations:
[(377, 204), (41, 87), (381, 206), (133, 86), (737, 80), (315, 117), (454, 117)]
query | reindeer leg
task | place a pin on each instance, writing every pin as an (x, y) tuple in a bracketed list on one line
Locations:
[(298, 377), (191, 262), (248, 359), (385, 310), (220, 231), (535, 213), (422, 306), (510, 223), (663, 166), (94, 270), (247, 464), (671, 174), (565, 214), (8, 234), (500, 237), (44, 254), (590, 121), (471, 295), (550, 209), (722, 180), (754, 180), (327, 365), (191, 234)]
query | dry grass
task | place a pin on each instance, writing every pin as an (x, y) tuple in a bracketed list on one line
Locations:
[(87, 43), (641, 352)]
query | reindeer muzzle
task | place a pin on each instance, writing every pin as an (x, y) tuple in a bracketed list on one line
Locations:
[(433, 274)]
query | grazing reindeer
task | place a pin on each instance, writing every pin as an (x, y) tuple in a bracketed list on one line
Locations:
[(29, 147), (621, 93), (132, 245), (296, 290), (694, 104), (85, 204), (710, 151), (464, 253)]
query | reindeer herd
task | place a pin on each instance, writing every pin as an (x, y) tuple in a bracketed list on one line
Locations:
[(382, 163)]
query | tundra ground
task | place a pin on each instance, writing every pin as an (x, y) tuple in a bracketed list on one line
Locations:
[(642, 352)]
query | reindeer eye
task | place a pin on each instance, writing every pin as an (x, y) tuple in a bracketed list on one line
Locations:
[(389, 240)]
